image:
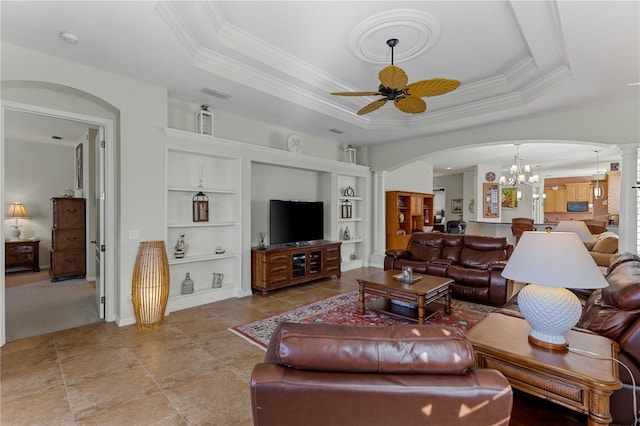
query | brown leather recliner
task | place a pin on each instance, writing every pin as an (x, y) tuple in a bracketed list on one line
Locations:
[(320, 374)]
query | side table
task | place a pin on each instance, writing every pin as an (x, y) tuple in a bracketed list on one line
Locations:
[(575, 381), (22, 253)]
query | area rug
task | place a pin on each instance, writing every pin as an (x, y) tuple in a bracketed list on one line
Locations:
[(343, 309)]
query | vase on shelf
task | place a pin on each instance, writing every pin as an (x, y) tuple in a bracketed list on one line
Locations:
[(217, 280), (347, 234), (187, 285)]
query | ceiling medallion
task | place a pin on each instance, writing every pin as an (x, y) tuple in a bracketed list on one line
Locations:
[(418, 29)]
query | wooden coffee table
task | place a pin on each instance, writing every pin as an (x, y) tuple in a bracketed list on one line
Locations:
[(575, 381), (422, 294)]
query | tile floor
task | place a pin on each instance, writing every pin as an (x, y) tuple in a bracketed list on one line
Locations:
[(191, 371)]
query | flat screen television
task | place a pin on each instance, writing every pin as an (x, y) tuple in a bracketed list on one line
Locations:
[(295, 221), (577, 206)]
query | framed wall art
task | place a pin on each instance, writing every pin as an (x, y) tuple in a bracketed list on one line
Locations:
[(456, 205), (510, 198)]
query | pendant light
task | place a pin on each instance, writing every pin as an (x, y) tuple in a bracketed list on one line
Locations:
[(597, 188)]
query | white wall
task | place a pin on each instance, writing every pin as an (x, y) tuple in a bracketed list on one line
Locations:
[(182, 116), (281, 183), (414, 177), (34, 173)]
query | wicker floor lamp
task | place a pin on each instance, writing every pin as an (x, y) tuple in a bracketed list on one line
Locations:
[(150, 284)]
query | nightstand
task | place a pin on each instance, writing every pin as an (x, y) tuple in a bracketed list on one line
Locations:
[(22, 253)]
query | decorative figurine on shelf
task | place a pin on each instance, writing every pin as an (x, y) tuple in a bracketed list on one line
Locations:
[(401, 217), (187, 285), (347, 234), (181, 247), (349, 192), (217, 279), (262, 245)]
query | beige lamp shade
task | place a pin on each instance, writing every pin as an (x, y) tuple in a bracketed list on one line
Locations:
[(16, 210), (150, 285), (577, 226)]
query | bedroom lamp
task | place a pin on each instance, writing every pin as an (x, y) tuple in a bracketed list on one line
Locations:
[(16, 210), (551, 262), (577, 226)]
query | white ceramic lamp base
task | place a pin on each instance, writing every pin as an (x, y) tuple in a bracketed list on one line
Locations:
[(15, 232), (551, 312)]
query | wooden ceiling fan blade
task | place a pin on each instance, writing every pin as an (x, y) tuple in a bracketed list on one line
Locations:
[(372, 106), (393, 77), (433, 87), (356, 93), (411, 104)]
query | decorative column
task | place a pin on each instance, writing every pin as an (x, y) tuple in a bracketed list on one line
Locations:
[(628, 225), (150, 285), (379, 220)]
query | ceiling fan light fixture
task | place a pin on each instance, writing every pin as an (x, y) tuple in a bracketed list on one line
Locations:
[(406, 97)]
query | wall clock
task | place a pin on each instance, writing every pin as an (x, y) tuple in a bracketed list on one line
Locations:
[(294, 143), (490, 176)]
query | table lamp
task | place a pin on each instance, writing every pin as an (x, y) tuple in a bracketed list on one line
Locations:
[(549, 263), (577, 226), (16, 210)]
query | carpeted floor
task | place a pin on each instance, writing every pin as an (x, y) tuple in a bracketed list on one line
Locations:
[(44, 307), (343, 309)]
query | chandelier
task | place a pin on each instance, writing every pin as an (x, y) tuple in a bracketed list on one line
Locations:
[(538, 191), (597, 188), (519, 175)]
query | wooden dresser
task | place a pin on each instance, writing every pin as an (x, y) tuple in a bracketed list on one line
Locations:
[(68, 238), (22, 253)]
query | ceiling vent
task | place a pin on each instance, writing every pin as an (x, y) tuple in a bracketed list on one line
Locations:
[(215, 93)]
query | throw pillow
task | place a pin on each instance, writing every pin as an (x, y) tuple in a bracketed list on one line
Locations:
[(606, 245)]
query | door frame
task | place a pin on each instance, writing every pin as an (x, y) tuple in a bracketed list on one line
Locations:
[(110, 200)]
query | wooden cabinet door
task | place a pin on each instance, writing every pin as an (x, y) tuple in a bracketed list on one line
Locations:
[(561, 201), (549, 200), (416, 205), (578, 192)]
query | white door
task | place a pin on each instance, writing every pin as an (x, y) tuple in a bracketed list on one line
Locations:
[(99, 243)]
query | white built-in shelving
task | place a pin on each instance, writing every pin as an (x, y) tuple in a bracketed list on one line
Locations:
[(213, 245), (354, 250)]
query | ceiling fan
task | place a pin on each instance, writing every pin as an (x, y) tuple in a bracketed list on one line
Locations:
[(394, 87)]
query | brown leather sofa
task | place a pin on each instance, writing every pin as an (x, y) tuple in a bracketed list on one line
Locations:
[(321, 374), (614, 312), (475, 262)]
